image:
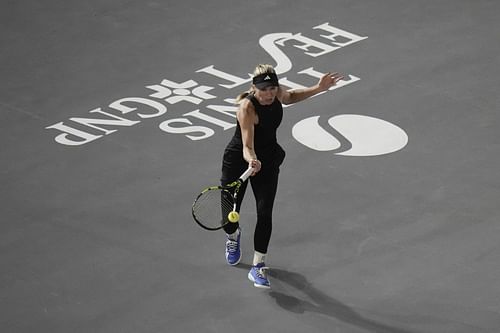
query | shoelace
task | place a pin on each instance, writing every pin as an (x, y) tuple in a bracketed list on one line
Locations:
[(261, 272), (232, 246)]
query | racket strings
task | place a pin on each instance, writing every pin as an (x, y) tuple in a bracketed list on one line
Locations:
[(212, 207)]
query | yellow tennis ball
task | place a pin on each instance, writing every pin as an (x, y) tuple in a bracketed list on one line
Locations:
[(233, 217)]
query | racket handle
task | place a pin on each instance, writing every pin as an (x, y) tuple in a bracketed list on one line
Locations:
[(246, 174)]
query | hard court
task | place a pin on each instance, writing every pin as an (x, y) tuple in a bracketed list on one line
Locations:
[(114, 115)]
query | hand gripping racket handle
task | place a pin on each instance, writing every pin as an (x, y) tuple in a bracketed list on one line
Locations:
[(246, 174)]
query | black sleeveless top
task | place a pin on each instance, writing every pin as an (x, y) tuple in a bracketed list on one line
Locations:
[(266, 146)]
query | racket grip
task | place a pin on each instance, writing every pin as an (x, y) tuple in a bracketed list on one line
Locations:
[(246, 174)]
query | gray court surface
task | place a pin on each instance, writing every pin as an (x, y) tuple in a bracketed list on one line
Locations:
[(96, 233)]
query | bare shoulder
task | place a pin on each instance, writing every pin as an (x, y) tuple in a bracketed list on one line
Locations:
[(283, 95), (246, 112), (246, 106)]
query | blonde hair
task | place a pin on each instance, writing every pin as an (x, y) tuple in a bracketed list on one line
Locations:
[(259, 69)]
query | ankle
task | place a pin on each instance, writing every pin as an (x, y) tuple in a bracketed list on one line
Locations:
[(234, 235), (259, 258)]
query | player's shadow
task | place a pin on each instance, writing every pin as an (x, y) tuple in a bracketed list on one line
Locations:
[(294, 293)]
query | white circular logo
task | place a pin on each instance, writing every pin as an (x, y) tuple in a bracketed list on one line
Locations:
[(352, 135)]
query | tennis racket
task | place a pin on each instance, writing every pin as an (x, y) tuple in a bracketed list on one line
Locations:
[(215, 206)]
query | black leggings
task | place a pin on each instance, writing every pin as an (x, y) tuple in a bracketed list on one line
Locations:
[(264, 186)]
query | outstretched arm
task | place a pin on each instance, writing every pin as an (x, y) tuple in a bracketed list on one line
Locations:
[(296, 95)]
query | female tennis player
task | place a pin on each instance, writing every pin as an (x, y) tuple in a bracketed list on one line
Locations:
[(254, 144)]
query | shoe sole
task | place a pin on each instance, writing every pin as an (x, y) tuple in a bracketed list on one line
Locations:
[(261, 286), (234, 264)]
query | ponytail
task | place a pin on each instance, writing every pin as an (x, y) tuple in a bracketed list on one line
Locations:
[(243, 95)]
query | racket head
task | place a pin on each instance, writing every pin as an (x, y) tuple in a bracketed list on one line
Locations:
[(212, 206)]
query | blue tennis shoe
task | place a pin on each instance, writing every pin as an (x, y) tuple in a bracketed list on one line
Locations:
[(258, 276), (233, 250)]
